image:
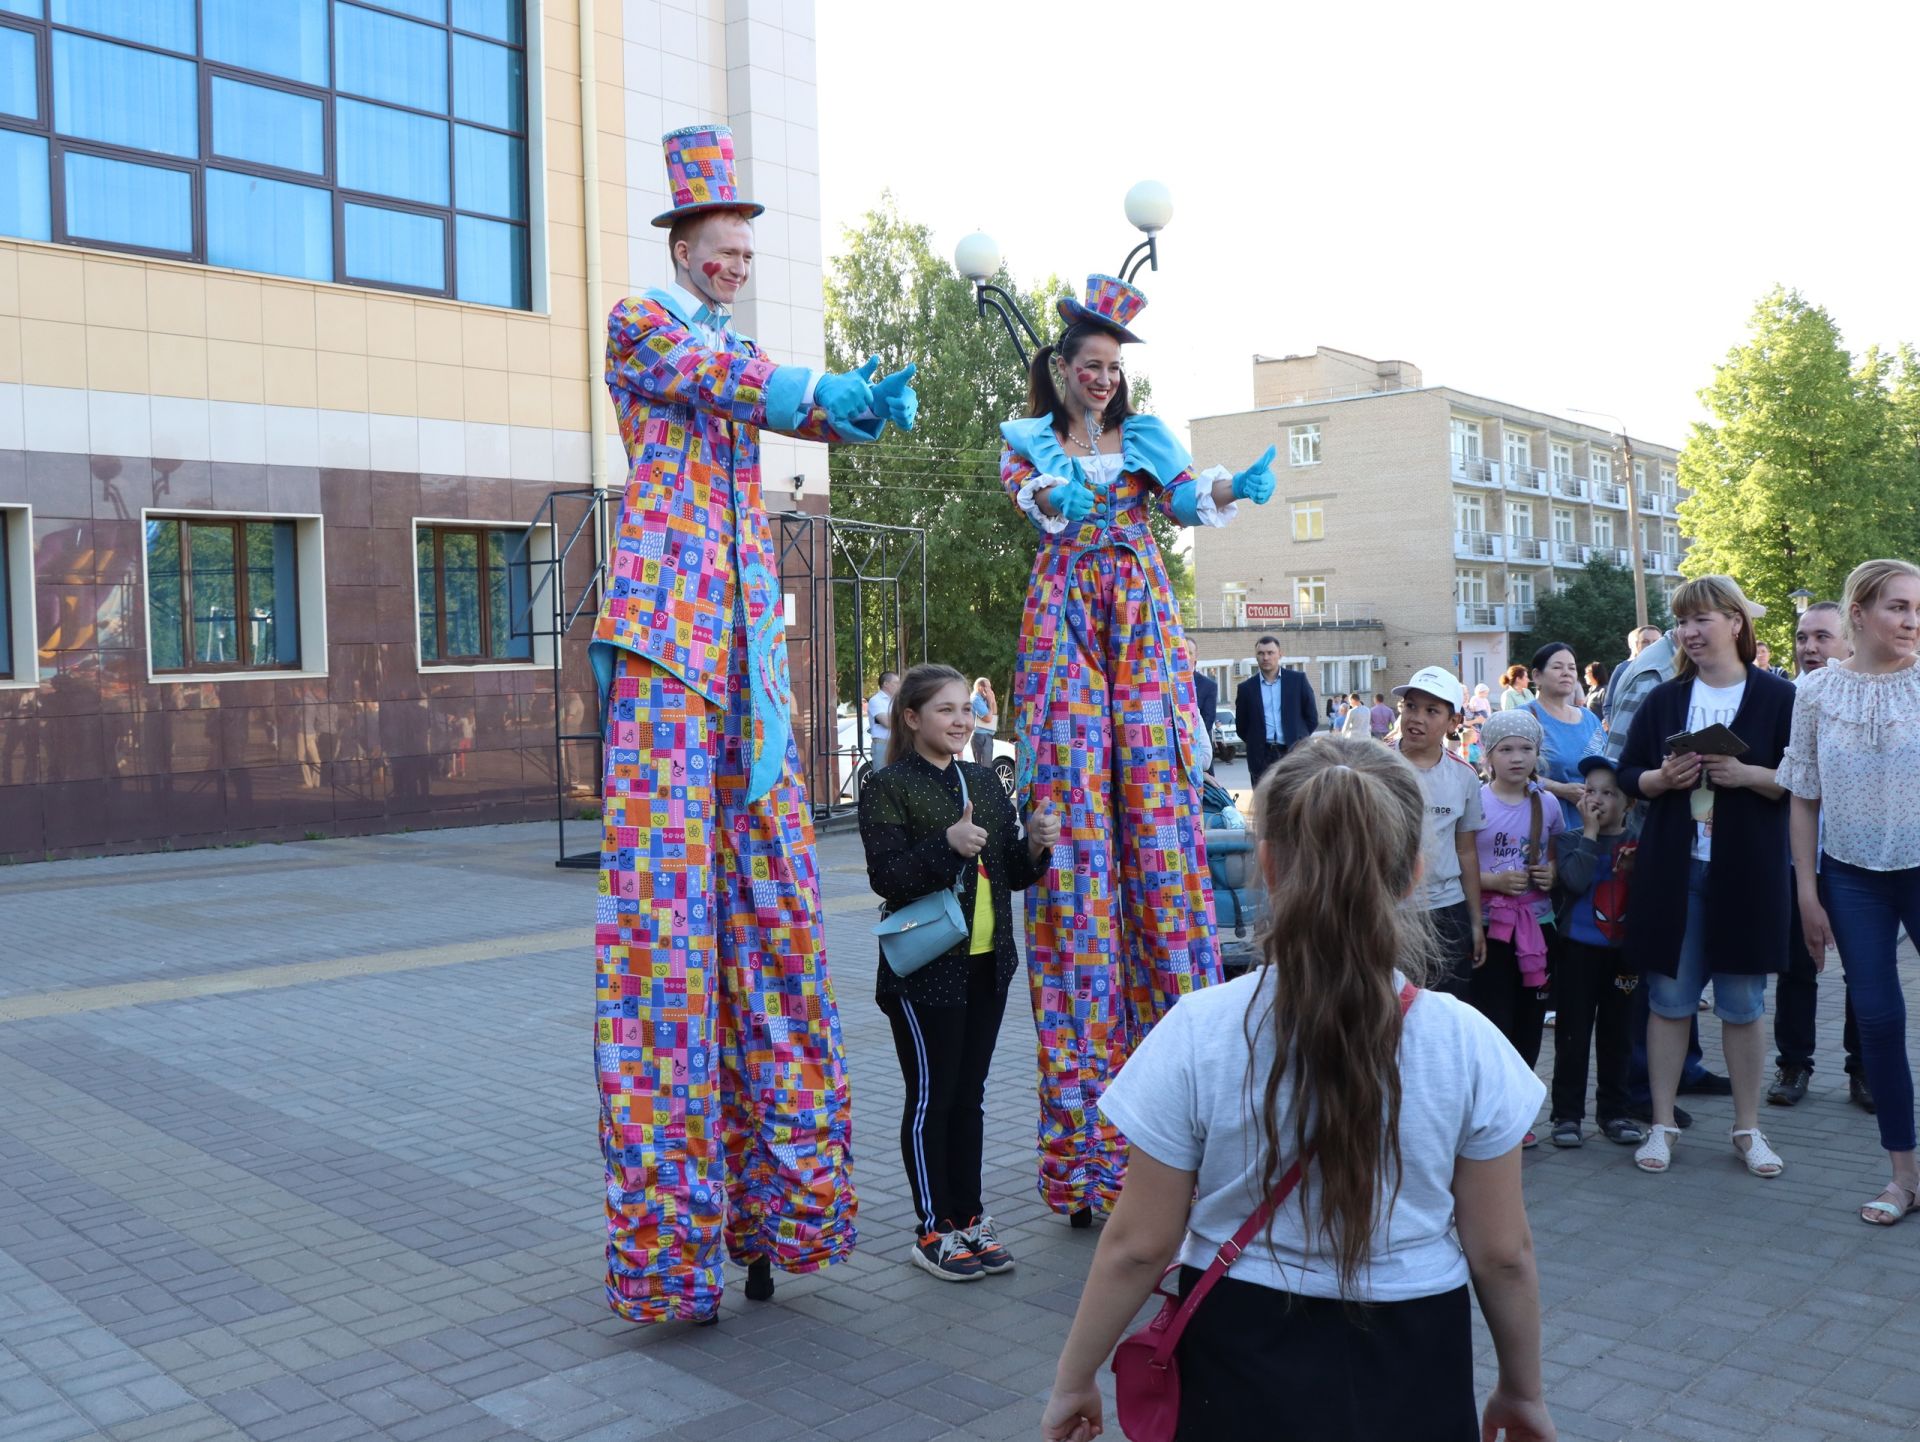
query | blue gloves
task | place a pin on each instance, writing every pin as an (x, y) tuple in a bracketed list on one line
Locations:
[(1073, 501), (895, 398), (1255, 483), (846, 398)]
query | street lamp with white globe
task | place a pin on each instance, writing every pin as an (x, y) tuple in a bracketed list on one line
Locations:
[(1149, 208)]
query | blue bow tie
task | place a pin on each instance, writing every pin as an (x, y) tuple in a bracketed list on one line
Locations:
[(709, 318)]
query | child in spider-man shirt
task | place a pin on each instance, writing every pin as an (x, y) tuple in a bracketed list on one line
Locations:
[(1592, 986)]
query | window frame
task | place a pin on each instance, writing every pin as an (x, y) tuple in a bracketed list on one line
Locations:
[(1602, 525), (1559, 514), (1466, 439), (207, 70), (1560, 458), (191, 665), (1303, 588), (1314, 514), (1472, 578), (1465, 503), (1308, 432), (439, 530)]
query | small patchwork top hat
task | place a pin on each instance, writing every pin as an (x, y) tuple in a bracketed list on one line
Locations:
[(700, 173), (1110, 303)]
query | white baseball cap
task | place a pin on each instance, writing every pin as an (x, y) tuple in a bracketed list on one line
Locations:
[(1438, 682)]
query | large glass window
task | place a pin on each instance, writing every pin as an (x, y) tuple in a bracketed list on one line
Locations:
[(473, 588), (222, 595), (378, 141)]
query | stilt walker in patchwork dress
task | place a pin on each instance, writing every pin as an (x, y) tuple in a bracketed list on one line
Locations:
[(1108, 730), (723, 1089)]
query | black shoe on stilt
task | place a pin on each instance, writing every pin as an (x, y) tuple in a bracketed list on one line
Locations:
[(1081, 1219), (760, 1280), (712, 1321)]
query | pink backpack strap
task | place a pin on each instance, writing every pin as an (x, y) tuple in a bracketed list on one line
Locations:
[(1231, 1249)]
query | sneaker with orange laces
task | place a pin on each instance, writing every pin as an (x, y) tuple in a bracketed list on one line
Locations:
[(985, 1246), (947, 1256)]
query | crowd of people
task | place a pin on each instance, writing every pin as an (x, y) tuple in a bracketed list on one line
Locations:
[(1327, 1145)]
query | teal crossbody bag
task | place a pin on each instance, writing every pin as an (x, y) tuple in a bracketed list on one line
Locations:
[(928, 927)]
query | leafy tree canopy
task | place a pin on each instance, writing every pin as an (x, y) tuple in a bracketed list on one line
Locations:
[(1809, 465), (1593, 614)]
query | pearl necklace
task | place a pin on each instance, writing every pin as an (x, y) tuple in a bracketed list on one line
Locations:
[(1091, 445)]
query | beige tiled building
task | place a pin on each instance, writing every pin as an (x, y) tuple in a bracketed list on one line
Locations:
[(1413, 524), (281, 397)]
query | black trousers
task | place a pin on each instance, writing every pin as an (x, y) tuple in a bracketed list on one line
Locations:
[(1796, 993), (1453, 926), (944, 1055), (1260, 1363), (1593, 1005), (1498, 994)]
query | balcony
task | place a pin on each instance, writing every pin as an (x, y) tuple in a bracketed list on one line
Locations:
[(1527, 480), (1218, 615), (1606, 493), (1473, 471), (1657, 503), (1479, 546), (1479, 616), (1570, 553), (1569, 486), (1522, 549), (1615, 555), (1522, 616), (1659, 563)]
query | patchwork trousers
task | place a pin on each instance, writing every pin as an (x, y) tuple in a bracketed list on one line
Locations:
[(724, 1119), (1121, 931)]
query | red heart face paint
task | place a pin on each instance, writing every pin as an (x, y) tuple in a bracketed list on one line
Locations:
[(712, 268)]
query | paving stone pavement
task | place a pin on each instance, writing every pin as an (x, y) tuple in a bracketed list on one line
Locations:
[(297, 1142)]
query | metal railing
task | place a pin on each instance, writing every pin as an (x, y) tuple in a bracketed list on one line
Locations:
[(1570, 486), (1527, 480), (1521, 615), (1480, 616), (1475, 470), (1479, 545), (1606, 493), (1527, 548), (1220, 616)]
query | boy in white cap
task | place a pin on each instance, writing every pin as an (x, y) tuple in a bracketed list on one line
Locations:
[(1449, 887)]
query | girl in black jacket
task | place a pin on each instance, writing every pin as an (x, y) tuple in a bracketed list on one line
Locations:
[(920, 838)]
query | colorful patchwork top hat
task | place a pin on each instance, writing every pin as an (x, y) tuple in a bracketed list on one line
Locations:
[(1110, 302), (700, 174)]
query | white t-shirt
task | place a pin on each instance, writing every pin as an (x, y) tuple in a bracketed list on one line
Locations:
[(879, 716), (1183, 1098), (1706, 706)]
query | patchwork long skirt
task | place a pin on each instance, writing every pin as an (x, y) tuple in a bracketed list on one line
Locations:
[(723, 1089), (1122, 927)]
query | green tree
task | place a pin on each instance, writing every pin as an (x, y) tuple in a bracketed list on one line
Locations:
[(1809, 463), (889, 294), (1593, 614)]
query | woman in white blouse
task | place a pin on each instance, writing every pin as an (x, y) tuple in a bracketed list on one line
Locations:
[(1854, 764)]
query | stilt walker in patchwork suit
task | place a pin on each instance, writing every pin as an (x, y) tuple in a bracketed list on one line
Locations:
[(1107, 729), (723, 1089)]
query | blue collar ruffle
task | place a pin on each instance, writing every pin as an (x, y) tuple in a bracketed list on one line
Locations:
[(1146, 445)]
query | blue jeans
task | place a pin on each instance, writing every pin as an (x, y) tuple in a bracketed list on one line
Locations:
[(1866, 910), (1737, 999)]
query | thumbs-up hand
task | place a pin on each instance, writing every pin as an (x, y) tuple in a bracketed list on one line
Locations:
[(1043, 828), (1255, 483), (964, 837), (895, 398), (846, 398)]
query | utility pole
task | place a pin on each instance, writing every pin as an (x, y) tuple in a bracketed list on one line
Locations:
[(1633, 514)]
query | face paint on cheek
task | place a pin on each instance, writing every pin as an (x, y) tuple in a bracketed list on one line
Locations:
[(1086, 378), (712, 268)]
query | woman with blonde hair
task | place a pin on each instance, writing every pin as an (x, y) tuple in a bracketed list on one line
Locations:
[(1854, 772), (1404, 1109), (1710, 890), (986, 721)]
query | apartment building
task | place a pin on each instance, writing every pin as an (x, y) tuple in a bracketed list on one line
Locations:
[(302, 309), (1427, 520)]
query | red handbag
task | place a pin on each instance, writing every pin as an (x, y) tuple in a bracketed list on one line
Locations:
[(1146, 1383)]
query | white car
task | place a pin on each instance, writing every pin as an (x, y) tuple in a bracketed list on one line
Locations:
[(856, 762)]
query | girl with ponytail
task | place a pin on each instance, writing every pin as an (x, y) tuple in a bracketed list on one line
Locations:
[(1409, 1123)]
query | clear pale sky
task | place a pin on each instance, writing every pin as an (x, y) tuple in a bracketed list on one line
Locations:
[(1552, 205)]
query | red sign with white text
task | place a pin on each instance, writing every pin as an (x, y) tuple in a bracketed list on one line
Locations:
[(1268, 611)]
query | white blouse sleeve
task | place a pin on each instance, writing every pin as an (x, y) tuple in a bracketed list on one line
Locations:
[(1030, 490), (1204, 510)]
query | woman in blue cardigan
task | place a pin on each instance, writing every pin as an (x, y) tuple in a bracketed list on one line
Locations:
[(1713, 858)]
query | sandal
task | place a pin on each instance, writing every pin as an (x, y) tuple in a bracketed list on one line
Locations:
[(1565, 1134), (1656, 1152), (1761, 1159), (1887, 1212), (1623, 1131)]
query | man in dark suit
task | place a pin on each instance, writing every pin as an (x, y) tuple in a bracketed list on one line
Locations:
[(1273, 709), (1206, 694)]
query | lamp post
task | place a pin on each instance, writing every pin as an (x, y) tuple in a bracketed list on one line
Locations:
[(1633, 514), (1149, 206), (1801, 598)]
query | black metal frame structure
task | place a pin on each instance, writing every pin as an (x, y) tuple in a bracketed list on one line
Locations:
[(328, 96)]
